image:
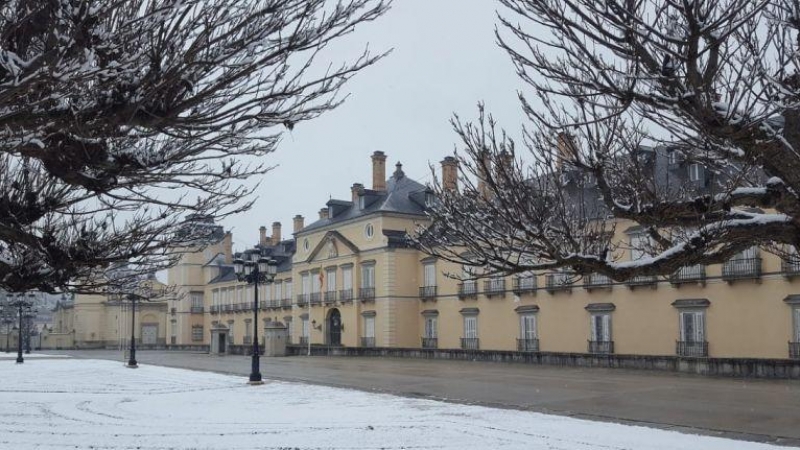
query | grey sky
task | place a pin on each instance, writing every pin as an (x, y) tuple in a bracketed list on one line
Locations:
[(445, 60)]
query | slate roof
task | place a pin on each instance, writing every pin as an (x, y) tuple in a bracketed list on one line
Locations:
[(282, 252), (403, 195)]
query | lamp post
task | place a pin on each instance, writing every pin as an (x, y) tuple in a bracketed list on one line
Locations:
[(254, 272), (30, 314), (146, 289), (22, 304)]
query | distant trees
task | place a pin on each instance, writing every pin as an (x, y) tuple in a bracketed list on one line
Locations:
[(713, 85), (118, 118)]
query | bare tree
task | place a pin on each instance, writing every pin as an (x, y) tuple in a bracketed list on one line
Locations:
[(625, 90), (119, 118)]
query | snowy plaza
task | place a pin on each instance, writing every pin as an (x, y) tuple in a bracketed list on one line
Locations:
[(77, 403)]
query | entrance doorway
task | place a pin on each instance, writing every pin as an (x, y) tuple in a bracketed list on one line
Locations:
[(149, 334), (222, 342), (334, 327)]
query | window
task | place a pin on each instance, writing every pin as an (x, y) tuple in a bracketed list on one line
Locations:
[(347, 278), (305, 328), (330, 274), (306, 245), (527, 327), (215, 297), (369, 327), (197, 332), (692, 327), (278, 291), (305, 283), (368, 276), (430, 327), (639, 243), (240, 294), (470, 286), (675, 157), (696, 172), (429, 274), (266, 292), (287, 287), (289, 330), (197, 299), (316, 282), (526, 281), (471, 327), (600, 328), (369, 231)]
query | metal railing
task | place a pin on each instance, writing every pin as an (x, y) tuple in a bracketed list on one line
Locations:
[(264, 305), (523, 285), (741, 269), (642, 280), (302, 299), (601, 347), (467, 290), (286, 303), (316, 298), (214, 309), (430, 342), (494, 287), (227, 308), (692, 349), (346, 295), (689, 274), (196, 310), (528, 345), (470, 343), (596, 281), (366, 294), (330, 297), (555, 282), (368, 342), (794, 350), (790, 266), (427, 292), (303, 340)]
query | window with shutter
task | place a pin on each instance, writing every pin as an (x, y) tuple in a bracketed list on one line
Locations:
[(368, 276), (330, 276), (347, 278), (369, 326), (430, 327), (797, 324), (470, 327), (528, 326), (429, 274), (601, 327)]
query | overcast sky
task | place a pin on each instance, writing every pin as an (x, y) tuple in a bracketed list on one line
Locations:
[(445, 61)]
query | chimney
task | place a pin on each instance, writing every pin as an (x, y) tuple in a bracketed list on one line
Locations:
[(298, 223), (566, 149), (262, 236), (356, 191), (379, 171), (276, 233), (323, 213), (450, 173), (227, 247), (483, 191)]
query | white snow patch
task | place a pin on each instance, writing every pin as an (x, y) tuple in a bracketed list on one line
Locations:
[(103, 405)]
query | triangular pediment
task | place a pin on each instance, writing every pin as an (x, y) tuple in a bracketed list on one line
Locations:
[(332, 245)]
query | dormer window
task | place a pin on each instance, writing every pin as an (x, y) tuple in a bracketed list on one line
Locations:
[(429, 198), (675, 157), (361, 202), (330, 212)]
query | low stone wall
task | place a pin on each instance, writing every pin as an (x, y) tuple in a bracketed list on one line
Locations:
[(189, 348), (729, 367)]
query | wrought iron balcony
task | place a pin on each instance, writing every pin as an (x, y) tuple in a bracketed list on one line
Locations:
[(596, 281), (528, 345), (368, 342), (196, 310), (329, 297), (642, 280), (346, 295), (366, 294), (794, 350), (470, 343), (601, 347), (316, 298), (555, 282), (741, 269), (494, 287), (523, 285), (227, 308), (173, 311), (302, 299), (468, 290), (304, 340), (689, 274), (214, 309), (430, 342), (427, 292), (286, 303), (263, 305), (790, 266), (691, 349)]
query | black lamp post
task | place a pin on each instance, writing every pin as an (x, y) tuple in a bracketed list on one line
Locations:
[(23, 305), (7, 319), (146, 293), (255, 272), (30, 314)]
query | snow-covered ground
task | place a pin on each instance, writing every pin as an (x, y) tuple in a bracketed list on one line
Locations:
[(36, 355), (89, 404)]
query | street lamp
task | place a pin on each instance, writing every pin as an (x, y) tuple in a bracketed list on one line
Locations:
[(30, 314), (146, 289), (22, 304), (254, 272)]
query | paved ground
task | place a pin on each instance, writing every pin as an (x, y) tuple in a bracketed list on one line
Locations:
[(760, 410)]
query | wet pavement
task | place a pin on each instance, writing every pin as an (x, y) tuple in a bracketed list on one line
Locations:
[(759, 410)]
